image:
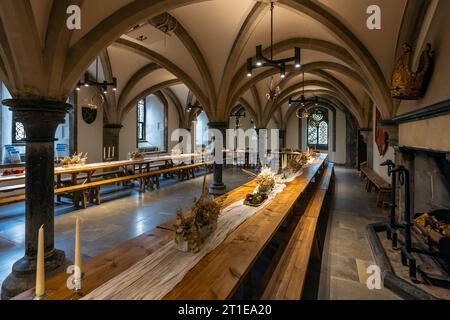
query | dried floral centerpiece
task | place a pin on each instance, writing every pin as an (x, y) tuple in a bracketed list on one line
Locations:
[(136, 155), (265, 183), (75, 160), (296, 164), (195, 226)]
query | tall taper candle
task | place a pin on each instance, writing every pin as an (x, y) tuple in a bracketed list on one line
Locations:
[(77, 244), (40, 265), (104, 153), (113, 152), (109, 152)]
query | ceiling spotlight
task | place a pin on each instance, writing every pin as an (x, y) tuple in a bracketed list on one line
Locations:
[(282, 71), (297, 58)]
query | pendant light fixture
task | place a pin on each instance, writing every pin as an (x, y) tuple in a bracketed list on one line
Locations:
[(262, 61), (304, 104), (103, 86)]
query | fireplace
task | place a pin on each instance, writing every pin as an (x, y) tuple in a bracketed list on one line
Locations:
[(429, 173), (430, 178)]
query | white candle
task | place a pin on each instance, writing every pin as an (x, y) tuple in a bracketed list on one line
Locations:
[(109, 152), (40, 264), (77, 244), (113, 153), (104, 152)]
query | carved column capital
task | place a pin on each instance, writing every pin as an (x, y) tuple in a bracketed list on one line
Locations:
[(39, 117)]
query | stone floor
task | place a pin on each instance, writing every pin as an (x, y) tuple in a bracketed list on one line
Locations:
[(347, 253), (126, 213)]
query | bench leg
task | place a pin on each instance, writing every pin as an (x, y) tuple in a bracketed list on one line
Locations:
[(76, 199), (84, 201), (157, 183), (97, 196)]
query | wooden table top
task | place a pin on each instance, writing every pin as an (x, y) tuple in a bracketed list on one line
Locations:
[(219, 273), (104, 165)]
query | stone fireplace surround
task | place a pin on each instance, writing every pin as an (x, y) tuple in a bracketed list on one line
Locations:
[(422, 144)]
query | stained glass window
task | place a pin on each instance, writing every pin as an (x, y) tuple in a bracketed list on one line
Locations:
[(19, 134), (323, 133), (312, 135), (141, 120), (318, 129)]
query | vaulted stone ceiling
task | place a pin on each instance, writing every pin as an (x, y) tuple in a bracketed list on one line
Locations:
[(204, 51)]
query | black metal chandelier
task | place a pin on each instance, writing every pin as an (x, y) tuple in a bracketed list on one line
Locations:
[(262, 61), (303, 102), (103, 86)]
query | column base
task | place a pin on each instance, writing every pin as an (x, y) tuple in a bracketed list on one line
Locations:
[(217, 189), (23, 275)]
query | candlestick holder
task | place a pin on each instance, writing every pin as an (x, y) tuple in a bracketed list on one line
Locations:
[(41, 297), (108, 159)]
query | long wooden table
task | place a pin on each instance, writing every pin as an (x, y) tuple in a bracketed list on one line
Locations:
[(217, 275), (89, 170)]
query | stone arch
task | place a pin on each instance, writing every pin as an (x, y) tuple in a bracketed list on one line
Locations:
[(168, 65), (284, 96), (123, 111)]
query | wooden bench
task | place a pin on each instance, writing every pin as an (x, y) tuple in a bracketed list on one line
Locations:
[(375, 181), (81, 199), (288, 279)]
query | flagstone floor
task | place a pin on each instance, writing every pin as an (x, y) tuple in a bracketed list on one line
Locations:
[(347, 253)]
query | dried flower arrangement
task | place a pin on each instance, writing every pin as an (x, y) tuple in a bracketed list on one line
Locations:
[(195, 226), (76, 159), (265, 180), (265, 183), (297, 163), (136, 155)]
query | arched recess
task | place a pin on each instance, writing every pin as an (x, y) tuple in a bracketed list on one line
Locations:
[(134, 80), (329, 101), (145, 93)]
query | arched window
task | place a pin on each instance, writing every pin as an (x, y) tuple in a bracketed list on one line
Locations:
[(318, 129), (152, 119), (201, 130), (141, 120)]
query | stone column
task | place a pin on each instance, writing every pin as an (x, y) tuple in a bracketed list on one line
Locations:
[(40, 119), (218, 187), (111, 138)]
